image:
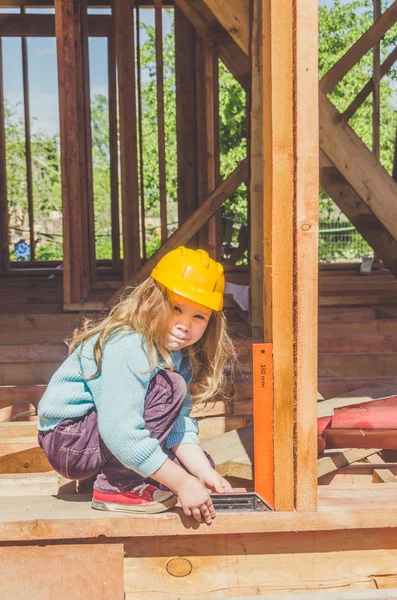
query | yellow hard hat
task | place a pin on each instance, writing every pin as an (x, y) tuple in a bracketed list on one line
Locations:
[(193, 275)]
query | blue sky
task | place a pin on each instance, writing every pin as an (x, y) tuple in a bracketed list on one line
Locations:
[(43, 72)]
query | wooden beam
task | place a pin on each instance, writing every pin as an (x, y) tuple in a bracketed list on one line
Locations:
[(209, 28), (376, 87), (33, 25), (158, 18), (34, 572), (359, 215), (208, 176), (86, 177), (306, 252), (192, 225), (140, 135), (369, 86), (4, 238), (256, 194), (358, 165), (359, 49), (186, 123), (28, 150), (77, 262), (113, 150), (277, 175), (234, 16), (125, 52), (336, 459)]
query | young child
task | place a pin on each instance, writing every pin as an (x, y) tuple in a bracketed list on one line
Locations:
[(119, 406)]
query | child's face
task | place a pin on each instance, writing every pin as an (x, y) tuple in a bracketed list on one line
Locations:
[(188, 322)]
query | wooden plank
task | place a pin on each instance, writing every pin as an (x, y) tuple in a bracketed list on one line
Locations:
[(342, 438), (340, 510), (206, 78), (234, 16), (209, 28), (367, 89), (4, 238), (36, 25), (214, 426), (186, 124), (76, 267), (28, 152), (359, 49), (306, 252), (363, 343), (278, 173), (331, 387), (86, 175), (123, 23), (256, 179), (23, 456), (376, 77), (113, 151), (160, 118), (32, 484), (140, 134), (356, 365), (42, 572), (336, 459), (193, 224), (358, 165)]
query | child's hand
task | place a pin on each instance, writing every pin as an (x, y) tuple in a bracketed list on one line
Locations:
[(215, 482), (195, 501)]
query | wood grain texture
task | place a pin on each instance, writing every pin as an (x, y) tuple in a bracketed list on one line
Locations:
[(46, 572), (306, 252)]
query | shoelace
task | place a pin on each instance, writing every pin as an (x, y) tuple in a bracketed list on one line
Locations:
[(141, 488)]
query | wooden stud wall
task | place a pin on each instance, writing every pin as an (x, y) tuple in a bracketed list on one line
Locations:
[(4, 238)]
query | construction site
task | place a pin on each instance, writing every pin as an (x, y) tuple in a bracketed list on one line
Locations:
[(312, 424)]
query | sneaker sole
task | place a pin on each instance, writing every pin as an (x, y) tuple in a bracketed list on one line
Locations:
[(151, 508)]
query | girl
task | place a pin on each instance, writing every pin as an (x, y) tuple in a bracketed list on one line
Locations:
[(118, 407)]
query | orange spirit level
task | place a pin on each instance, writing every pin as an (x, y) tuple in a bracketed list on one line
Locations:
[(263, 421)]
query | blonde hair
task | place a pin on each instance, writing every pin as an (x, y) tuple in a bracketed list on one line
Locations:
[(146, 309)]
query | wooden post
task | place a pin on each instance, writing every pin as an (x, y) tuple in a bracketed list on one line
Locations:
[(160, 118), (140, 133), (186, 124), (123, 22), (76, 201), (28, 153), (306, 252), (376, 90), (284, 173), (113, 150), (4, 243), (206, 86)]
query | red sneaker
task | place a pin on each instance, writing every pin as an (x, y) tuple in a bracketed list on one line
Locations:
[(144, 498)]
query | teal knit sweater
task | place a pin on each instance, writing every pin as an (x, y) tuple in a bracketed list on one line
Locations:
[(118, 395)]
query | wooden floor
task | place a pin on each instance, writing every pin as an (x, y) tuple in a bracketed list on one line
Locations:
[(350, 544)]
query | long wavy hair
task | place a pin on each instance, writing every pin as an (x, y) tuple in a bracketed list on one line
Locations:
[(147, 309)]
